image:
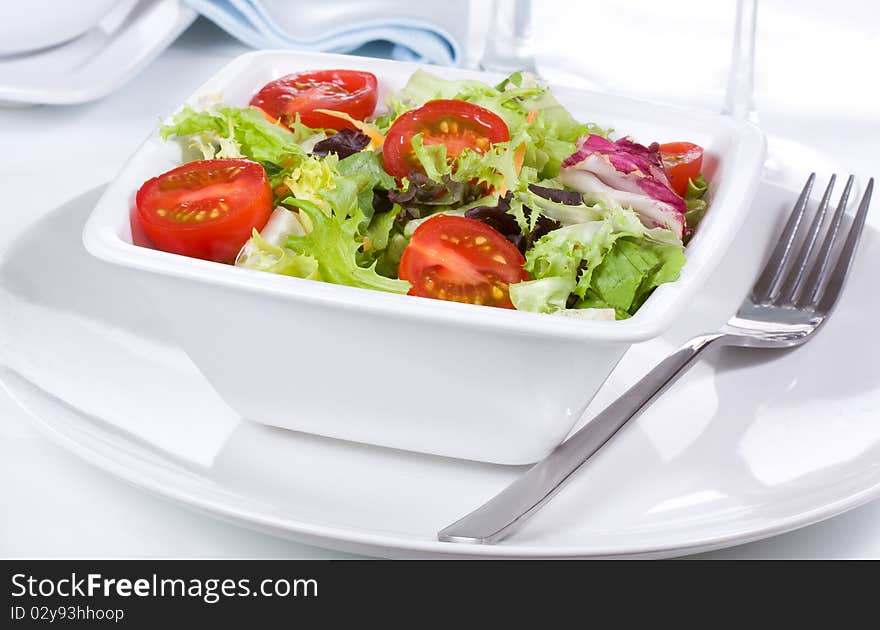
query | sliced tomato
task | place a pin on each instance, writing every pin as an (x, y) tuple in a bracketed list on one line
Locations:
[(461, 260), (351, 92), (204, 209), (457, 124), (682, 161)]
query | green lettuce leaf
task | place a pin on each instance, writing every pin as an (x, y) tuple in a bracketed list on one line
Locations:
[(496, 167), (388, 260), (610, 262), (325, 228), (432, 158), (340, 246), (239, 132), (312, 179), (264, 256), (630, 270), (370, 164), (330, 183), (379, 230), (696, 202), (544, 295), (351, 195), (423, 87), (336, 240), (376, 241)]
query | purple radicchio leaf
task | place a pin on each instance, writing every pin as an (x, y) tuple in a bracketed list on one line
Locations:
[(631, 174), (343, 143)]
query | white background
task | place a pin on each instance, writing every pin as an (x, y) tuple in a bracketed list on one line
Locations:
[(816, 82)]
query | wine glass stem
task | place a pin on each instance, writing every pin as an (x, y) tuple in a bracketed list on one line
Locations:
[(739, 101)]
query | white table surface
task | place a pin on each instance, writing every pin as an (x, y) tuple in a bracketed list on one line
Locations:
[(58, 506)]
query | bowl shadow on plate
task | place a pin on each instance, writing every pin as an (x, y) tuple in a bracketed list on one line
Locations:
[(300, 476)]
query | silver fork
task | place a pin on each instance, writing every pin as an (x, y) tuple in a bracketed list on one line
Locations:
[(794, 295)]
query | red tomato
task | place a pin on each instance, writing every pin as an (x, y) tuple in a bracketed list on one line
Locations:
[(457, 124), (205, 209), (683, 161), (461, 260), (349, 91)]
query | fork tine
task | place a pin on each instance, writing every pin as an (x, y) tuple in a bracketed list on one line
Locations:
[(799, 269), (768, 282), (810, 295), (847, 254)]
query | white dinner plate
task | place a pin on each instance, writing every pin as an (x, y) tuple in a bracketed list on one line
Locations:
[(98, 61), (745, 446)]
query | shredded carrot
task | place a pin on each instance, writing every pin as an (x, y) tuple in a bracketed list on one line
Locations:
[(374, 135), (274, 121), (519, 155)]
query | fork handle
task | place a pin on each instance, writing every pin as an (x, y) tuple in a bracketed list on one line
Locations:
[(510, 508)]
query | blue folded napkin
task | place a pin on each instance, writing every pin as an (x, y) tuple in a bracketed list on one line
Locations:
[(414, 30)]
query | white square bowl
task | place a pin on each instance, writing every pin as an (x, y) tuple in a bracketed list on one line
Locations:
[(425, 375)]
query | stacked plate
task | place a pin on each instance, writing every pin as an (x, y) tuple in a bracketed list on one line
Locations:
[(87, 50)]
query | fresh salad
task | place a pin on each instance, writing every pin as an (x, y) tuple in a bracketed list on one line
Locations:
[(455, 190)]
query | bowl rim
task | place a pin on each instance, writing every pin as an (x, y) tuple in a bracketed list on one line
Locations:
[(101, 239)]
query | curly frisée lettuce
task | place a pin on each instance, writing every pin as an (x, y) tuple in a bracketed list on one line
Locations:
[(234, 132), (262, 255), (696, 202), (495, 168), (334, 241), (612, 262), (311, 179), (333, 238)]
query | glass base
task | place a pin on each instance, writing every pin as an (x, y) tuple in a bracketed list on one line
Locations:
[(508, 65)]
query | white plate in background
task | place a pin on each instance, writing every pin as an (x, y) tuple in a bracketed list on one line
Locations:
[(745, 446), (97, 62), (24, 27)]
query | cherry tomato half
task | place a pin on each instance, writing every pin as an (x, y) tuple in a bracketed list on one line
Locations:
[(457, 124), (461, 260), (204, 209), (349, 91), (682, 161)]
